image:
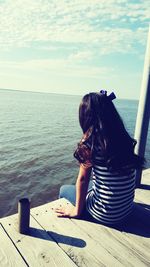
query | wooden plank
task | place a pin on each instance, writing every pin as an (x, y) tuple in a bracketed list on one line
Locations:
[(146, 172), (80, 246), (127, 244), (146, 177), (38, 248), (142, 195), (9, 256)]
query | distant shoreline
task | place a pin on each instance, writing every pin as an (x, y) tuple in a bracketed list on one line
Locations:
[(40, 92)]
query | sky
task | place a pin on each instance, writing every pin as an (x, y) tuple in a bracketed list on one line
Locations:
[(73, 47)]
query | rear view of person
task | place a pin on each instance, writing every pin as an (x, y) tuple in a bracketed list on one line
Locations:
[(106, 151)]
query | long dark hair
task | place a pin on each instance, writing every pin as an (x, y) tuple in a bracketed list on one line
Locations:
[(98, 115)]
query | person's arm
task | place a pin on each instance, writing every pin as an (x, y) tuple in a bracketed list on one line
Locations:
[(81, 191), (82, 187)]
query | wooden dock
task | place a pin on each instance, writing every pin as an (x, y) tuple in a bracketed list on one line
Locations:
[(67, 242)]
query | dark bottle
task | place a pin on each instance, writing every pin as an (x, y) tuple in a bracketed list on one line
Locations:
[(24, 215)]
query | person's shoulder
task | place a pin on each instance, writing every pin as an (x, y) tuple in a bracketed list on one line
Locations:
[(83, 152)]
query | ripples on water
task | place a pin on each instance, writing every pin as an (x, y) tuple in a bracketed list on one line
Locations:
[(38, 134)]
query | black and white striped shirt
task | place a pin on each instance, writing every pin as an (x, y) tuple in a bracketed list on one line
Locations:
[(111, 198)]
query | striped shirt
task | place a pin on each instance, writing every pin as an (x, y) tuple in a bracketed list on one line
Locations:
[(111, 198)]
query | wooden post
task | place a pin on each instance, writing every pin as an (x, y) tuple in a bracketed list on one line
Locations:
[(24, 215), (143, 115)]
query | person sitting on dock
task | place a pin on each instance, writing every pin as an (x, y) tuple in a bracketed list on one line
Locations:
[(107, 151)]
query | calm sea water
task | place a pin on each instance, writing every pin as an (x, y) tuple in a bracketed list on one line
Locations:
[(38, 134)]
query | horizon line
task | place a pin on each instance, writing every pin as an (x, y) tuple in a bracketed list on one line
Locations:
[(46, 92)]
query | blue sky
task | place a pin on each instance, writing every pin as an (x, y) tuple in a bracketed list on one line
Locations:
[(73, 47)]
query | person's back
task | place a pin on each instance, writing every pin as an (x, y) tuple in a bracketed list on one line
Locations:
[(107, 150), (110, 199)]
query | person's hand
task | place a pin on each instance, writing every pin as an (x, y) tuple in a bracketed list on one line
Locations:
[(67, 211)]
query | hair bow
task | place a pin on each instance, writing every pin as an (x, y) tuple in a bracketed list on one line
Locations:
[(111, 96)]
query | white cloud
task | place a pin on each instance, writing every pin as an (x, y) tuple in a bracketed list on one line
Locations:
[(81, 56), (123, 40), (67, 68), (79, 22), (72, 35)]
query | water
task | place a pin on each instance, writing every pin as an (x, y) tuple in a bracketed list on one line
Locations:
[(38, 135)]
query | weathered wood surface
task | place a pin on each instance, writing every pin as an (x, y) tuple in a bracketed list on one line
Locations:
[(79, 245), (143, 193), (9, 256), (37, 248), (66, 242)]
